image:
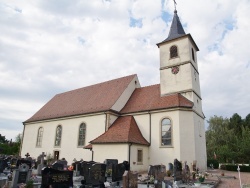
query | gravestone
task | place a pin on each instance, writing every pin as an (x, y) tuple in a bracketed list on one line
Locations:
[(3, 164), (40, 163), (110, 162), (177, 170), (85, 168), (64, 162), (21, 175), (77, 167), (155, 170), (57, 166), (23, 161), (117, 172), (56, 178), (96, 175), (194, 166), (170, 167)]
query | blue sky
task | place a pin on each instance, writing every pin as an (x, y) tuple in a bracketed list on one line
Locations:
[(49, 47)]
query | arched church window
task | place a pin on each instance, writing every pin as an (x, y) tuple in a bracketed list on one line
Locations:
[(173, 51), (166, 135), (58, 135), (82, 134), (39, 137), (193, 57)]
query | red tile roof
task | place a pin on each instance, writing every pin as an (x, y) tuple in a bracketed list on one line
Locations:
[(123, 130), (95, 98), (149, 98)]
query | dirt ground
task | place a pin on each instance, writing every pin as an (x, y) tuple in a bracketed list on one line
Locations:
[(228, 180)]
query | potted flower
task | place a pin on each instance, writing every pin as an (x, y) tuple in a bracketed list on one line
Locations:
[(109, 172)]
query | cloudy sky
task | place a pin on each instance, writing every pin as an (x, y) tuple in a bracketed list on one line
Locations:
[(52, 46)]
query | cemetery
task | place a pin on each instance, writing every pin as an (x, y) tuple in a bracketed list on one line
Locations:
[(38, 173)]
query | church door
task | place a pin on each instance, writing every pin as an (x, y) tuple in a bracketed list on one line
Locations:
[(56, 155)]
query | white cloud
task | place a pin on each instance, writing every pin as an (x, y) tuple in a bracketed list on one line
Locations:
[(48, 47)]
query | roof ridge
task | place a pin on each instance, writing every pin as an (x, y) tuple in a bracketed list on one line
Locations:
[(100, 83)]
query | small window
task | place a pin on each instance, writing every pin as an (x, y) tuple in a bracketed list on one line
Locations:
[(81, 135), (39, 137), (58, 135), (139, 156), (173, 52), (166, 135), (193, 57)]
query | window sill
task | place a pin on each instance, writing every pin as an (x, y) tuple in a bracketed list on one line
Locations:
[(166, 147)]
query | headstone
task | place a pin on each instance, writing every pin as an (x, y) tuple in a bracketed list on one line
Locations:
[(3, 164), (96, 175), (117, 172), (57, 166), (154, 170), (85, 168), (133, 179), (21, 175), (186, 173), (41, 163), (77, 167), (64, 162), (177, 170), (110, 162), (56, 178), (194, 165), (23, 161), (170, 167)]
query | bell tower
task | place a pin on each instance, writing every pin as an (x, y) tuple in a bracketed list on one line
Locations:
[(178, 65)]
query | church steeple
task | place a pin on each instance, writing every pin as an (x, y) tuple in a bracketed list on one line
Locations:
[(176, 29)]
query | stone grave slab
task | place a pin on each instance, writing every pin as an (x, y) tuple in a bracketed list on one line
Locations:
[(56, 178)]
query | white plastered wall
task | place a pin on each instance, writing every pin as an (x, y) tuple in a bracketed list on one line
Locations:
[(95, 126)]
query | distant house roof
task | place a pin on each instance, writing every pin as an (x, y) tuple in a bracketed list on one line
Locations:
[(95, 98), (123, 130), (149, 98)]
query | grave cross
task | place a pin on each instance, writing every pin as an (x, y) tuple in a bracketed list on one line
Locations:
[(27, 155), (42, 158), (239, 175)]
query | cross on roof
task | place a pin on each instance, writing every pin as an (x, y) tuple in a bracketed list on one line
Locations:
[(175, 4)]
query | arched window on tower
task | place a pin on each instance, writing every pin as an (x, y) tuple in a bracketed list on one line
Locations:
[(82, 134), (58, 135), (173, 51), (193, 57), (166, 133), (39, 137)]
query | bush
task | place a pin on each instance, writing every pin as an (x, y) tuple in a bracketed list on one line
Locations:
[(231, 167), (214, 162)]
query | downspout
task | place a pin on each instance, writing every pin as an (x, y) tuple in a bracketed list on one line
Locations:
[(129, 153), (92, 155), (150, 124)]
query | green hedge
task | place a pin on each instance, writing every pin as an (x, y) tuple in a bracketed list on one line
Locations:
[(214, 162), (234, 168)]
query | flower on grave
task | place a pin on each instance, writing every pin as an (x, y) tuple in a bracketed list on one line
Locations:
[(200, 177), (151, 179), (70, 168), (109, 172), (34, 178)]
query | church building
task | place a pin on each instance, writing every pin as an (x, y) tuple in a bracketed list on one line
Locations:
[(119, 119)]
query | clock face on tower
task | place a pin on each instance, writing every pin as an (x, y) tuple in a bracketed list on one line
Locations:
[(175, 70)]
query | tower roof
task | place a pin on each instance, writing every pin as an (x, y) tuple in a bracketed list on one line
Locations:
[(176, 29)]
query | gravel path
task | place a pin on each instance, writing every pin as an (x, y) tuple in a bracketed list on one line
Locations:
[(228, 180)]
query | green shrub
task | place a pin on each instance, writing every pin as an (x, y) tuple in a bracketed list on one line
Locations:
[(231, 167)]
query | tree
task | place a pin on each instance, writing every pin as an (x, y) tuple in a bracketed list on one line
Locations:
[(228, 138)]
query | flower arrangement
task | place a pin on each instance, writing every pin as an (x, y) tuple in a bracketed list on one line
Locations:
[(109, 172), (200, 177)]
